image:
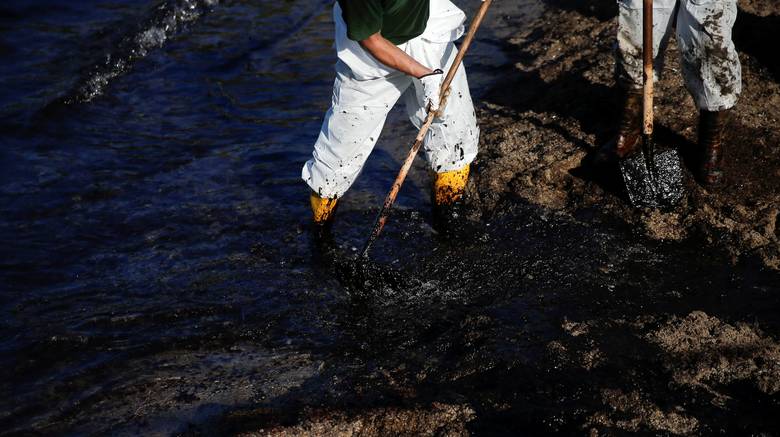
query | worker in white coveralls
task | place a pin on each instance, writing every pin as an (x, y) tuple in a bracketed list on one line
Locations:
[(390, 50), (710, 67)]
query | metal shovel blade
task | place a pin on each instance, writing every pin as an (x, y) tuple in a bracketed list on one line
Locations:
[(653, 178)]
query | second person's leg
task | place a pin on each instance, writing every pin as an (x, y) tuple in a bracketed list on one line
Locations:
[(630, 70), (712, 73)]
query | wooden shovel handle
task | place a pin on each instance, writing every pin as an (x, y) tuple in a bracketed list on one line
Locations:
[(647, 50)]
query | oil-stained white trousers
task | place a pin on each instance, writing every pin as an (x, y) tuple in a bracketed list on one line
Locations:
[(363, 95), (710, 64)]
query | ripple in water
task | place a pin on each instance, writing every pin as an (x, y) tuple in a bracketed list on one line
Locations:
[(167, 20)]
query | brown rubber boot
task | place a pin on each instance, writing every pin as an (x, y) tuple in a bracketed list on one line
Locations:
[(629, 129), (712, 126)]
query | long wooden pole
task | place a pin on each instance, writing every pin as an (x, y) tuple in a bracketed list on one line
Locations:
[(649, 77), (399, 180)]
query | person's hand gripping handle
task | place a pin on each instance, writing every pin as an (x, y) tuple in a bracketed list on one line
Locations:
[(432, 87)]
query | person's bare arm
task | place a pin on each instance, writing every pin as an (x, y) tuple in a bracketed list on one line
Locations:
[(389, 54)]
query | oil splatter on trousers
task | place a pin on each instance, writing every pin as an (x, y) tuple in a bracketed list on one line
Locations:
[(710, 64), (364, 92)]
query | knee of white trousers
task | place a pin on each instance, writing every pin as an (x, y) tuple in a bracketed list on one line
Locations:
[(452, 149), (713, 87), (328, 182), (711, 66), (347, 137), (333, 178)]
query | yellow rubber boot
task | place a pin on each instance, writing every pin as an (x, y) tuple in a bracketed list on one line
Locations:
[(449, 186), (322, 208)]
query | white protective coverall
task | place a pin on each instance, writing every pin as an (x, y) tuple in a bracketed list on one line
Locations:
[(364, 92), (710, 63)]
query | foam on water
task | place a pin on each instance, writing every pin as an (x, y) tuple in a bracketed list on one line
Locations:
[(164, 22)]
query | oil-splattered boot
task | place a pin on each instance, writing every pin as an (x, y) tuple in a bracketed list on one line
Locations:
[(629, 130), (712, 126), (448, 190), (323, 211)]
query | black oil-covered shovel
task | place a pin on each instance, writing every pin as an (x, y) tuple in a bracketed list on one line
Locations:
[(653, 177)]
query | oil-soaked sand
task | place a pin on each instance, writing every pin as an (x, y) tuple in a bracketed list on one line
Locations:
[(546, 323)]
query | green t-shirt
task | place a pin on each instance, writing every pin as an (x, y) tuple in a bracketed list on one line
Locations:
[(397, 20)]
